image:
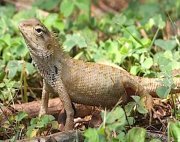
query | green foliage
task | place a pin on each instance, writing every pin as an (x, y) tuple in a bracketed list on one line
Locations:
[(74, 40), (39, 124), (46, 4), (174, 130), (110, 124), (14, 125), (8, 89), (165, 44), (114, 128), (136, 135)]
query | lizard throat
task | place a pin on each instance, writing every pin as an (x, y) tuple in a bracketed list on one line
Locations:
[(47, 68)]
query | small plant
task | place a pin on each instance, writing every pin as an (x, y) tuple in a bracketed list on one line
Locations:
[(116, 127), (39, 125)]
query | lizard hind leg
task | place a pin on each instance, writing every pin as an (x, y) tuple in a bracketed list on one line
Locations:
[(140, 90)]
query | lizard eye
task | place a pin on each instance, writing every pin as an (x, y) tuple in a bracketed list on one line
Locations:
[(39, 30)]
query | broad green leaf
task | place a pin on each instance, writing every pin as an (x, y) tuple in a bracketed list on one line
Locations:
[(136, 134), (124, 50), (12, 68), (118, 114), (74, 40), (83, 5), (7, 39), (91, 135), (141, 109), (2, 85), (31, 132), (34, 121), (10, 83), (163, 91), (46, 4), (119, 19), (67, 7), (174, 130), (147, 63), (157, 21), (45, 119), (136, 98), (21, 115), (140, 105), (121, 137), (134, 70), (165, 44), (54, 125), (7, 10), (130, 120), (30, 68), (129, 107)]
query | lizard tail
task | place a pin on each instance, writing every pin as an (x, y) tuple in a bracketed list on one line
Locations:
[(151, 84)]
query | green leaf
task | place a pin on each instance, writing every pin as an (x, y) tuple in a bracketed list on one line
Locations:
[(74, 40), (155, 140), (174, 130), (91, 135), (31, 132), (134, 70), (34, 121), (2, 85), (46, 4), (165, 44), (54, 125), (136, 98), (141, 109), (83, 4), (163, 91), (136, 134), (21, 115), (119, 19), (140, 105), (12, 68), (44, 120), (157, 21), (118, 114), (30, 68), (147, 63), (121, 137), (129, 107), (67, 7), (130, 120)]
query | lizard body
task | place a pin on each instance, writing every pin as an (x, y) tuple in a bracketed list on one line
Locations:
[(76, 80)]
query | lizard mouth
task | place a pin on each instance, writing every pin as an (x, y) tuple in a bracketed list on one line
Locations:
[(30, 43)]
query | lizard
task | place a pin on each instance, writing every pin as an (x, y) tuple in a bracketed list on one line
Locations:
[(76, 80)]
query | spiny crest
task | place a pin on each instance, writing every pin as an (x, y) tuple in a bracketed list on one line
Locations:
[(58, 44)]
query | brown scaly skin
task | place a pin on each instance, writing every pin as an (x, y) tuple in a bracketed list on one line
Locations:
[(75, 80)]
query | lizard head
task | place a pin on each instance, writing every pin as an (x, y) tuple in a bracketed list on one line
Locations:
[(37, 37)]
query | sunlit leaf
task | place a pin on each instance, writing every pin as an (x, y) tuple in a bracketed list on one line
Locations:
[(163, 91), (67, 7), (136, 134), (174, 130), (21, 115), (165, 44)]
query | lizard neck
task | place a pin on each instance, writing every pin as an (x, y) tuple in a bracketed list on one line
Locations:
[(50, 67)]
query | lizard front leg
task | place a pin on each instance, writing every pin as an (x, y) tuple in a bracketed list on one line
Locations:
[(45, 99), (64, 97)]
